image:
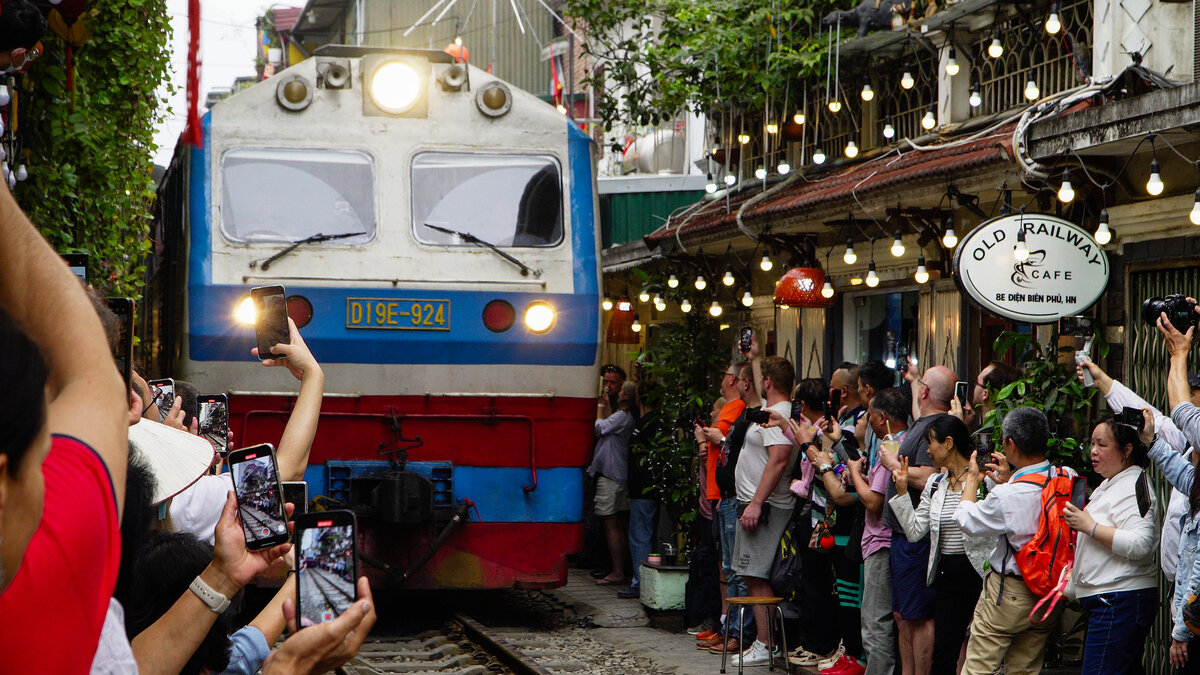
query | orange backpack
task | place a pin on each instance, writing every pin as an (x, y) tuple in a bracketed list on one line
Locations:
[(1047, 559)]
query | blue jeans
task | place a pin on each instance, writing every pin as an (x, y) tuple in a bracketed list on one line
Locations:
[(726, 521), (643, 515), (1117, 627)]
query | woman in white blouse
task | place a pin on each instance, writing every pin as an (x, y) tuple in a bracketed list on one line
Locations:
[(955, 560), (1115, 570)]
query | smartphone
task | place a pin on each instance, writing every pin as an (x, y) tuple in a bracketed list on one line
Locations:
[(960, 392), (259, 495), (326, 565), (162, 395), (214, 420), (78, 264), (123, 349), (757, 416), (1131, 417), (835, 403), (747, 335), (271, 322), (296, 492)]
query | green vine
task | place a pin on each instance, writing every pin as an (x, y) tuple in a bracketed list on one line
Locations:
[(91, 149)]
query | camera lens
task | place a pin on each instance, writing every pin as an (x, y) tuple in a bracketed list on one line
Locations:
[(1151, 308)]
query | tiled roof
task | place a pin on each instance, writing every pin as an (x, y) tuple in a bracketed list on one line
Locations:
[(285, 17)]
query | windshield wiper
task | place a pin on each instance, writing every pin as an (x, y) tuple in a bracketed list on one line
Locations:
[(472, 239), (315, 239)]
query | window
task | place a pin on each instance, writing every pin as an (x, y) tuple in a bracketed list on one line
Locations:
[(510, 201), (882, 325), (280, 195)]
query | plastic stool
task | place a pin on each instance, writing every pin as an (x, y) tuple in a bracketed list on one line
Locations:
[(771, 604)]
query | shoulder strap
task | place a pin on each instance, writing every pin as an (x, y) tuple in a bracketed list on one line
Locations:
[(1142, 491)]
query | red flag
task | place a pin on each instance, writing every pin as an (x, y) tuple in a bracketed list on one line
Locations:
[(192, 133), (556, 90)]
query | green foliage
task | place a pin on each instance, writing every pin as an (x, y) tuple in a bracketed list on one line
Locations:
[(91, 149), (1049, 384), (662, 57), (686, 361)]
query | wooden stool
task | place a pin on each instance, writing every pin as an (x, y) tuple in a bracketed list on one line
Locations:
[(771, 603)]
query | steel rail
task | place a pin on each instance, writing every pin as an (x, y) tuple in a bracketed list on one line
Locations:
[(514, 658)]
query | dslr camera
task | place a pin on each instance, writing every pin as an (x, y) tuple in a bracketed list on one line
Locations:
[(1180, 311)]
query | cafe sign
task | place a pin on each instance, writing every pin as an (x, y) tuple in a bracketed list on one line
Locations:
[(1063, 275)]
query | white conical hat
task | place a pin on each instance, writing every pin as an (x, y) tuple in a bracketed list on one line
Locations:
[(175, 458)]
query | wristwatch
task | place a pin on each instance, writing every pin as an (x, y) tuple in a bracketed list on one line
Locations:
[(216, 602), (824, 469)]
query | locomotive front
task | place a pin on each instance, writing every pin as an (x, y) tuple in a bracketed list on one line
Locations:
[(435, 231)]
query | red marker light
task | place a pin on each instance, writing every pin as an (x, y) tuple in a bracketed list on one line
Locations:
[(324, 523), (499, 316), (300, 310)]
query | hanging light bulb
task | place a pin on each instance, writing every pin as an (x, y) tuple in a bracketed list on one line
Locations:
[(856, 281), (607, 303), (850, 257), (784, 168), (747, 299), (995, 50), (1103, 234), (1032, 93), (835, 106), (818, 156), (710, 186), (728, 278), (766, 263), (22, 173), (951, 64), (976, 97), (1155, 184), (772, 128), (906, 80), (716, 309), (851, 149), (660, 304), (760, 173), (872, 277), (929, 121), (644, 297), (867, 92), (897, 245), (673, 281), (743, 138), (1066, 193), (1053, 24), (5, 97), (730, 179), (798, 118), (637, 324), (1021, 250), (922, 274), (889, 131), (685, 306), (949, 240), (701, 284), (1194, 215), (827, 289), (624, 305)]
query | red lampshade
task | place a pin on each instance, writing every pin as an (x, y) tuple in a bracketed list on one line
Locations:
[(620, 325), (801, 287)]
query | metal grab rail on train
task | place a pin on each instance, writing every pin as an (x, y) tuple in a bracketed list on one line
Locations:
[(490, 418)]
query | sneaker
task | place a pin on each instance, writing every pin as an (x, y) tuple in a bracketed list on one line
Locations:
[(704, 626), (806, 659), (756, 654), (731, 646), (847, 665), (707, 635), (711, 643), (832, 658)]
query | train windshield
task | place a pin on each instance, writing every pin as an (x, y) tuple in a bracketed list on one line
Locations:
[(512, 201), (285, 195)]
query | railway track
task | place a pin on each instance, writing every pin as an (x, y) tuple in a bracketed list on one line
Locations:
[(464, 646)]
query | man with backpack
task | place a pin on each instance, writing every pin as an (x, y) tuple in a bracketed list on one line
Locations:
[(1032, 547)]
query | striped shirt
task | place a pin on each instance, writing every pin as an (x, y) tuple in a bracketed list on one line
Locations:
[(951, 540)]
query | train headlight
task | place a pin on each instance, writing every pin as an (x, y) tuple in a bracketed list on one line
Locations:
[(539, 317), (494, 99), (294, 93), (395, 86), (245, 312)]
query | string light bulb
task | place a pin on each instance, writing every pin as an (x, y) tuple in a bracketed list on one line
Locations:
[(730, 179), (772, 128), (624, 305), (728, 278), (607, 303), (996, 49), (1195, 214), (922, 274), (637, 324), (929, 121), (1053, 23), (897, 245), (766, 263), (951, 64), (716, 309), (685, 306), (784, 168), (1021, 250), (798, 118), (747, 299), (22, 172), (760, 173), (976, 97), (851, 149), (889, 131), (1103, 234), (827, 289), (1155, 184), (850, 257), (1066, 193), (872, 277), (5, 96), (701, 284), (1032, 93), (949, 240), (673, 281), (867, 92), (906, 80), (644, 297), (835, 106), (818, 156), (743, 138), (710, 186)]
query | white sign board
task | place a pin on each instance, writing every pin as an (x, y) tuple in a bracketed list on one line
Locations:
[(1064, 275)]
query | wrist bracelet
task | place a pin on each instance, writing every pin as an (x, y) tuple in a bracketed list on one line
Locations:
[(1093, 533)]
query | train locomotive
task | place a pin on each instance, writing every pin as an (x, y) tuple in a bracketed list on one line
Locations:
[(435, 230)]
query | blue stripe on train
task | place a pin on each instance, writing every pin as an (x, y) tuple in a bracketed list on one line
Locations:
[(584, 245), (214, 336), (496, 491)]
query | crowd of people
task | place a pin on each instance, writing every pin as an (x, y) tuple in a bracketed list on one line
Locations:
[(121, 549), (919, 547)]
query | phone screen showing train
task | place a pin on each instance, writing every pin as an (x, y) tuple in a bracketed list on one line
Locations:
[(259, 496), (271, 322), (326, 565), (162, 394), (214, 420)]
